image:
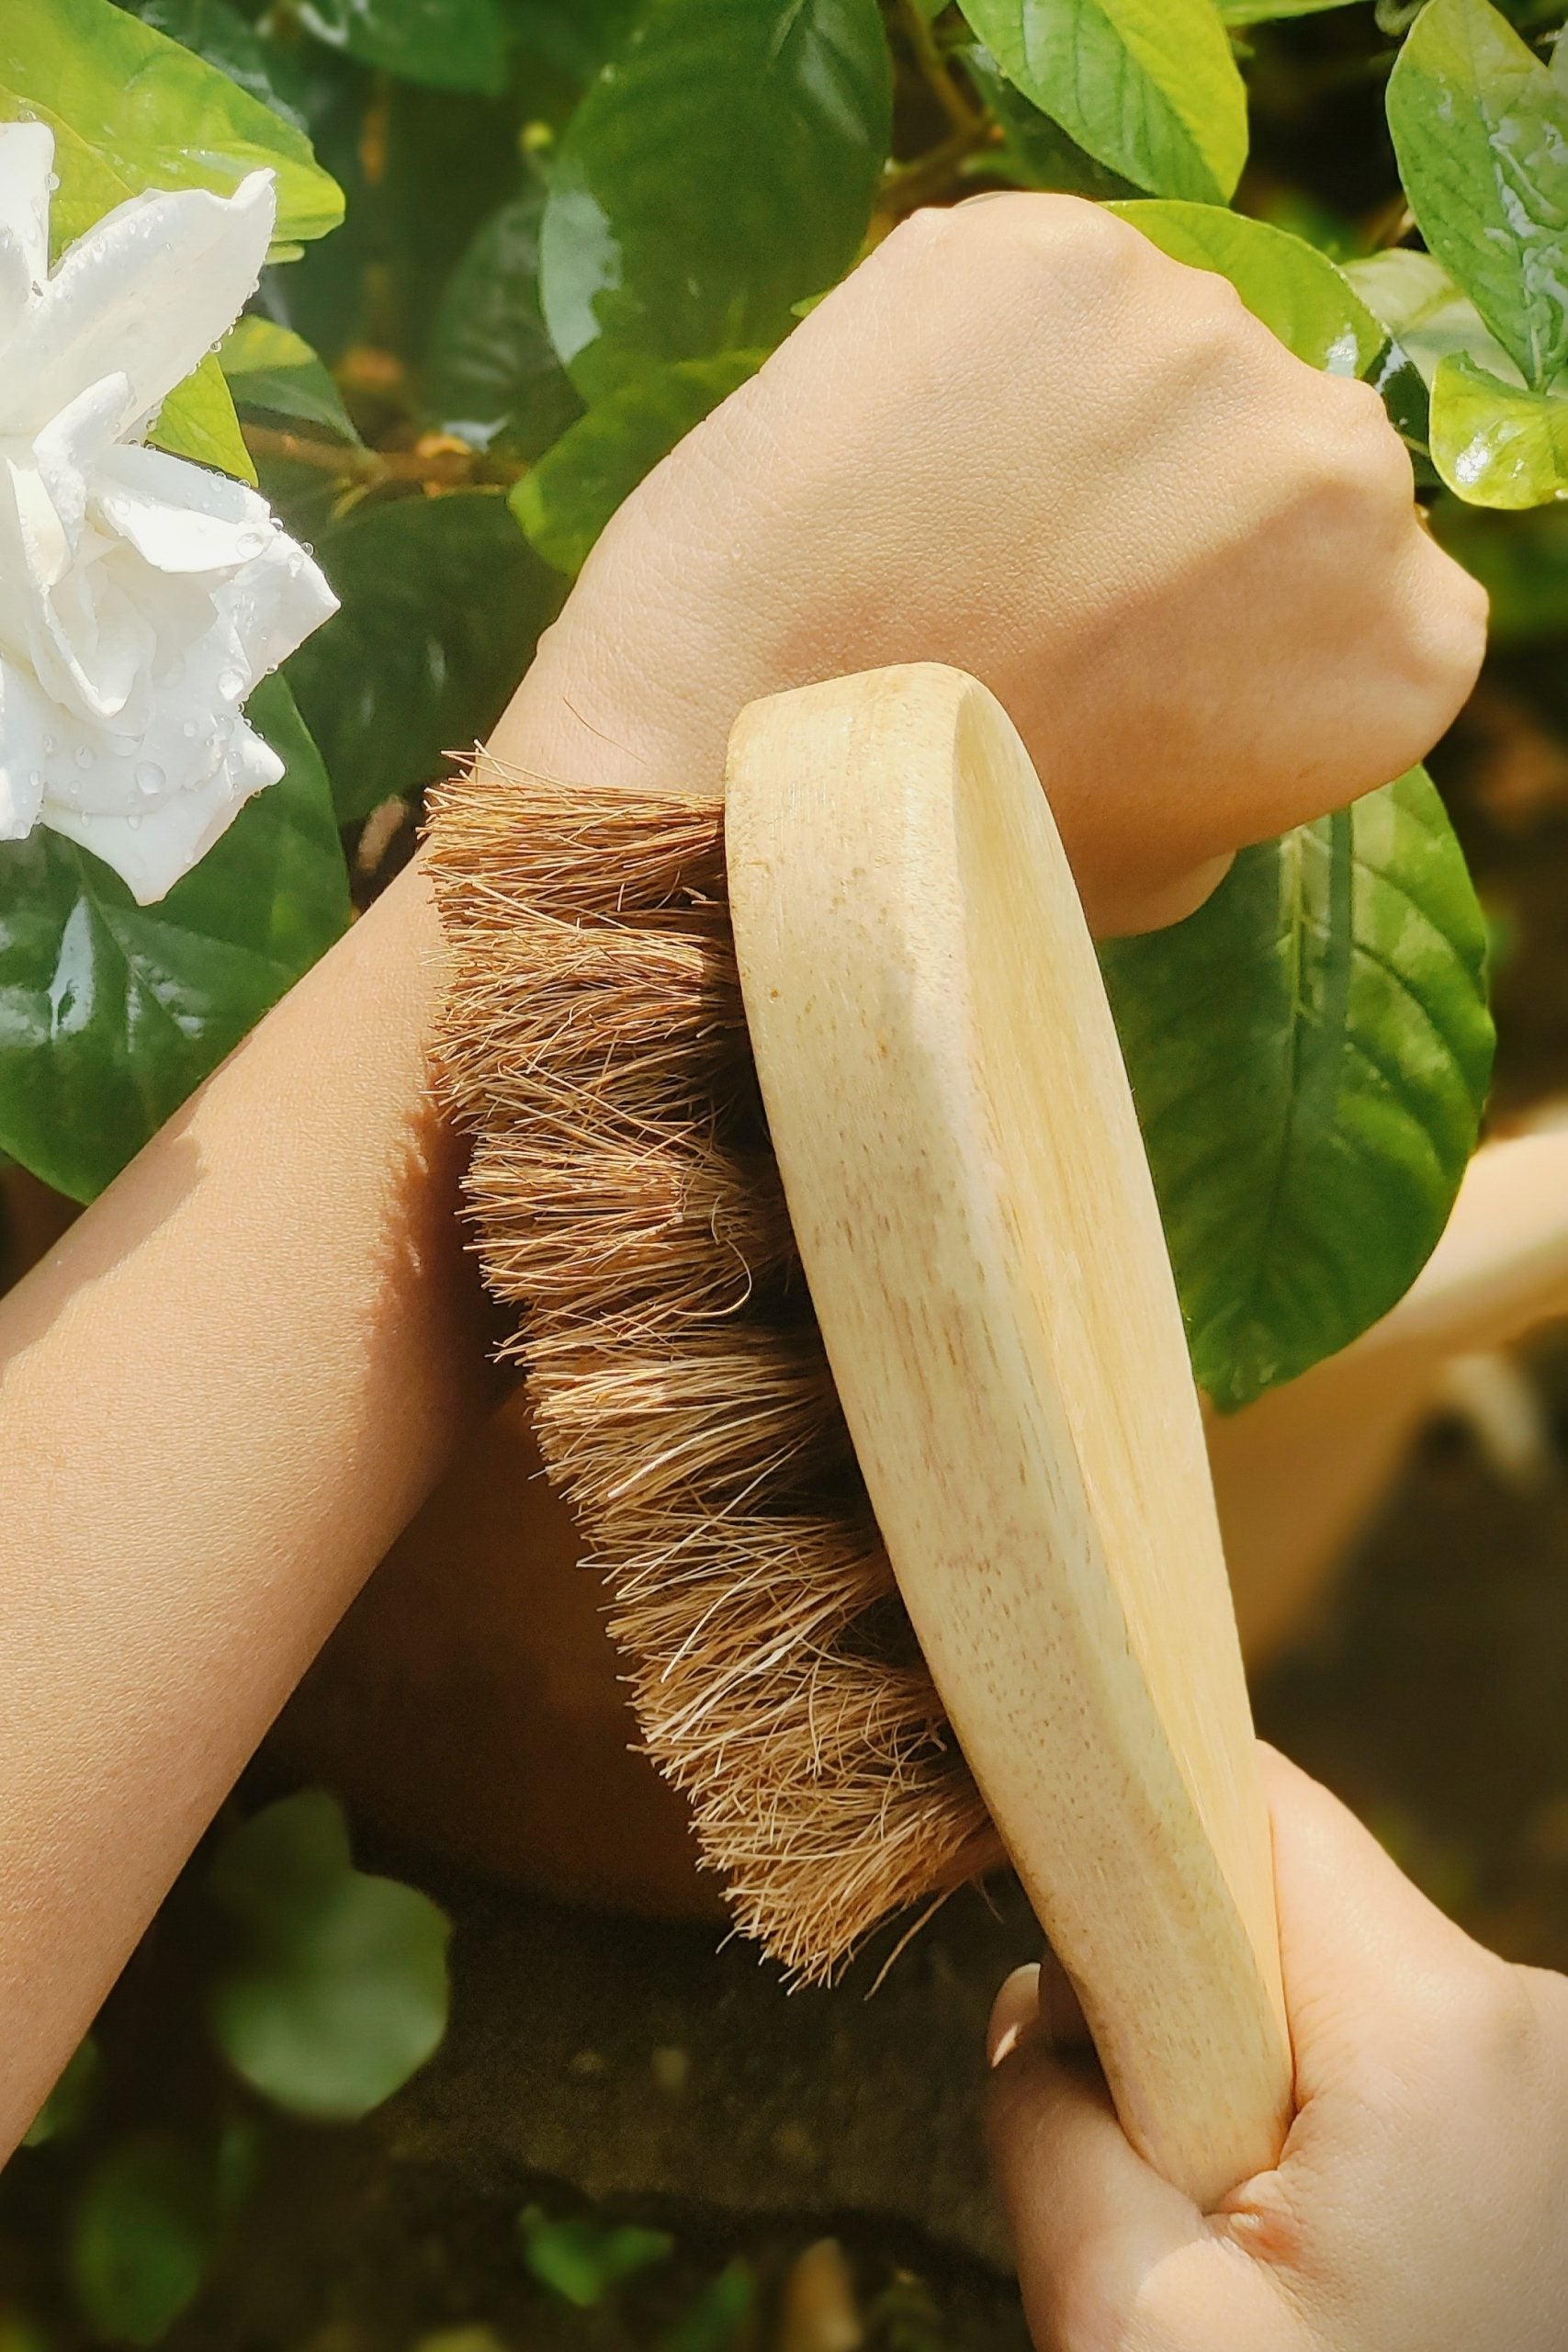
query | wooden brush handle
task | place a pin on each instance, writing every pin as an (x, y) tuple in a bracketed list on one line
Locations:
[(969, 1190)]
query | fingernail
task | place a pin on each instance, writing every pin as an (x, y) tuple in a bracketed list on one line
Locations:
[(1014, 2014)]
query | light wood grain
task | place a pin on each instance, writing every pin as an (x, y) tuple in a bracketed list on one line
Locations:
[(974, 1211)]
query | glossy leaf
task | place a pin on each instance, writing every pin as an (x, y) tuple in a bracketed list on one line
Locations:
[(1422, 308), (1310, 1054), (1038, 152), (566, 500), (491, 375), (1297, 291), (220, 34), (273, 372), (1481, 131), (1497, 443), (110, 1012), (721, 169), (131, 109), (336, 1992), (449, 44), (443, 602), (198, 421), (1149, 88), (583, 2260), (144, 2235)]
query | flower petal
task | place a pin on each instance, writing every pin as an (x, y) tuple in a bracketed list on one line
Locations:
[(151, 850), (178, 516), (146, 292), (24, 721), (71, 444), (27, 159)]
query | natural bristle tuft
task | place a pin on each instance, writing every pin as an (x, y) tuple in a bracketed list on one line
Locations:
[(628, 1207)]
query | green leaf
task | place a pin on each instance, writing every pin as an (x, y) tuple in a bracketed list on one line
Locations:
[(1039, 152), (1481, 131), (491, 375), (143, 2236), (1497, 443), (582, 2260), (571, 494), (1424, 311), (1299, 293), (1310, 1054), (1148, 87), (110, 1012), (130, 110), (273, 372), (721, 166), (65, 2109), (447, 44), (337, 1991), (219, 33), (443, 602), (198, 421)]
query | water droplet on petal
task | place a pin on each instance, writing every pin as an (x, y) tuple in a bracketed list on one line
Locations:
[(52, 182), (84, 755), (35, 779), (250, 543), (134, 822), (51, 745), (229, 685), (188, 728), (150, 776)]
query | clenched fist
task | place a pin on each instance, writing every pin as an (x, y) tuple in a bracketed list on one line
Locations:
[(1022, 440)]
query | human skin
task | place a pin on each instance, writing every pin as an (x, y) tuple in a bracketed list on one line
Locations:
[(1018, 440), (1419, 2202)]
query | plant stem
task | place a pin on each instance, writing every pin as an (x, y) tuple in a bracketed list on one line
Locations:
[(935, 70), (441, 468), (929, 177)]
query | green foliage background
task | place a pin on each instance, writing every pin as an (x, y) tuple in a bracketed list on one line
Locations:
[(523, 245)]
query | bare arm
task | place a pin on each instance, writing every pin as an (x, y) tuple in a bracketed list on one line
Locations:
[(1194, 583)]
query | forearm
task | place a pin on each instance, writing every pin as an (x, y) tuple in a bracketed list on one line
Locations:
[(224, 1392)]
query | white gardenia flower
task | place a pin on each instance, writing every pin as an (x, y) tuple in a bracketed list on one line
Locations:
[(142, 597)]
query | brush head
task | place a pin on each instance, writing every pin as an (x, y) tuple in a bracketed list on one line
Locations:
[(628, 1209)]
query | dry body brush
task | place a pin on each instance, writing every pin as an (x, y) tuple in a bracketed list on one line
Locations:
[(630, 1207)]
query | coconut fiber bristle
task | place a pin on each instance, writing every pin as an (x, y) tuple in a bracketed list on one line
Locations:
[(629, 1208)]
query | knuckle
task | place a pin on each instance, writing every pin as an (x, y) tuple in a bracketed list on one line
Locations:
[(1449, 627), (1025, 227), (1507, 2024), (1481, 2019), (1362, 455)]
